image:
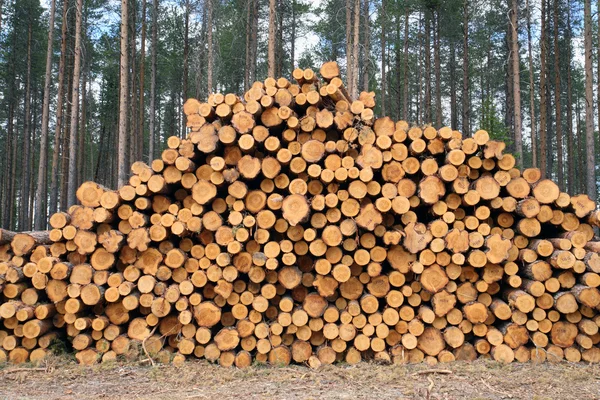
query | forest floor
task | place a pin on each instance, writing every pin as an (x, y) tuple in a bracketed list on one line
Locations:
[(59, 379)]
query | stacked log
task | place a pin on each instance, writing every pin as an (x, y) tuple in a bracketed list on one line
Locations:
[(292, 225)]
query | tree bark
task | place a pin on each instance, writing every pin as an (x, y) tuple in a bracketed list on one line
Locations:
[(367, 56), (516, 83), (589, 106), (248, 54), (59, 113), (123, 97), (209, 39), (141, 110), (271, 43), (293, 37), (42, 176), (152, 110), (533, 133), (349, 70), (453, 102), (570, 156), (428, 66), (25, 183), (355, 50), (383, 57), (405, 71), (466, 130), (438, 70), (543, 89), (186, 50), (557, 95), (72, 180)]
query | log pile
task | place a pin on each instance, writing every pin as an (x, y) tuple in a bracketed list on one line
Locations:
[(292, 225)]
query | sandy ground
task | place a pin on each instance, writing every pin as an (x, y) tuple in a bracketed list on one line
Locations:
[(200, 380)]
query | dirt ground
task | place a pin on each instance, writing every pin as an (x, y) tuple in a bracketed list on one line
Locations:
[(200, 380)]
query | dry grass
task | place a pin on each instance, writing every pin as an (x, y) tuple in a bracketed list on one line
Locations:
[(60, 378)]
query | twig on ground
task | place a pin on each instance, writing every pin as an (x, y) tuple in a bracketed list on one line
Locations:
[(144, 346), (8, 371), (433, 371)]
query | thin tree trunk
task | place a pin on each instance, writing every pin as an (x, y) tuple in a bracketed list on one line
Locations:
[(570, 157), (271, 43), (247, 82), (140, 123), (465, 89), (531, 91), (367, 57), (59, 113), (516, 82), (209, 39), (355, 50), (293, 36), (405, 71), (557, 95), (42, 179), (383, 57), (24, 201), (438, 70), (254, 46), (123, 97), (82, 129), (453, 104), (72, 181), (186, 50), (279, 13), (428, 66), (543, 89), (349, 70), (132, 91), (152, 111), (589, 106)]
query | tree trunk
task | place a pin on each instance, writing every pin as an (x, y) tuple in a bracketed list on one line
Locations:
[(293, 37), (59, 113), (254, 47), (355, 50), (383, 57), (438, 70), (152, 111), (186, 50), (571, 160), (81, 154), (72, 180), (349, 70), (123, 97), (271, 44), (589, 107), (42, 176), (453, 104), (543, 89), (366, 59), (466, 130), (516, 82), (405, 71), (531, 91), (557, 95), (428, 66), (248, 54), (132, 91), (25, 183), (209, 39), (141, 110), (279, 38)]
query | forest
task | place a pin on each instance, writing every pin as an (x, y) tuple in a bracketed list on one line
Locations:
[(89, 86)]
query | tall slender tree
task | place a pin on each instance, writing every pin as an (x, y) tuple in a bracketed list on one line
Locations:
[(355, 50), (466, 103), (349, 70), (557, 99), (533, 133), (516, 81), (589, 106), (141, 107), (123, 98), (570, 156), (437, 68), (271, 42), (42, 175), (72, 179), (186, 51), (383, 58), (209, 40), (543, 89), (153, 66)]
